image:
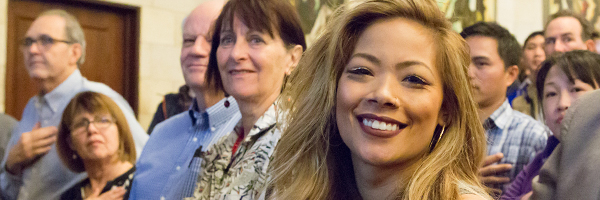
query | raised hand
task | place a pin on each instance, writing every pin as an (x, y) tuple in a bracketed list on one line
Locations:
[(30, 147), (114, 193), (489, 173)]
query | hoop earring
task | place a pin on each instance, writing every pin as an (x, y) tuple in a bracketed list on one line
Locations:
[(437, 136)]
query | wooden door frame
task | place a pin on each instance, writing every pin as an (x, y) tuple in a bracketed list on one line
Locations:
[(131, 44)]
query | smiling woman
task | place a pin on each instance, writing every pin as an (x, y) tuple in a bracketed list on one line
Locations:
[(94, 137), (255, 46), (378, 109)]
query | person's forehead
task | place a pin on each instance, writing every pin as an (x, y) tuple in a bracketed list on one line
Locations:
[(563, 25), (51, 25), (483, 46), (197, 24), (535, 39)]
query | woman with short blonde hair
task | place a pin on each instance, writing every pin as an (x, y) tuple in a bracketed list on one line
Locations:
[(319, 158)]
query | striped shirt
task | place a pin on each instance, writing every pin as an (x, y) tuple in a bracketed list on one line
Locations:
[(518, 136), (170, 163)]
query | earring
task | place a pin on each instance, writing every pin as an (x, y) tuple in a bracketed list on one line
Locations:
[(74, 156), (443, 128), (226, 104), (436, 138)]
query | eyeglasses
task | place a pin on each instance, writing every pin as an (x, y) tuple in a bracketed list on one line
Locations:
[(45, 42), (100, 123)]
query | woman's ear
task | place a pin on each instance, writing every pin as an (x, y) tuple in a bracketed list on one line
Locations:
[(295, 55), (70, 143), (444, 116)]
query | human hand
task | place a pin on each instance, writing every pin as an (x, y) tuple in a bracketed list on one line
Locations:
[(527, 196), (114, 193), (488, 173), (30, 147)]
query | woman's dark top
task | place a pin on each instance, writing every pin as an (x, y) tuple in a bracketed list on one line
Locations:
[(76, 192)]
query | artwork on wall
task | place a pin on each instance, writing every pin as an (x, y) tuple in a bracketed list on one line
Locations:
[(463, 13), (315, 13), (587, 8)]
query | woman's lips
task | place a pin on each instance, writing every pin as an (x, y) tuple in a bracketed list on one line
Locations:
[(559, 120), (380, 126)]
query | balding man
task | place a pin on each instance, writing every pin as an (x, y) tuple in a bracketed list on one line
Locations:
[(170, 162), (53, 48), (567, 31)]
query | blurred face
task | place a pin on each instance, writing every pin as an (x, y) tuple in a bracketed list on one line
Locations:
[(563, 34), (51, 61), (559, 93), (251, 63), (533, 53), (196, 47), (488, 76), (94, 137), (389, 95)]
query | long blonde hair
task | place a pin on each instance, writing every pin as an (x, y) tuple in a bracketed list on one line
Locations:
[(312, 162)]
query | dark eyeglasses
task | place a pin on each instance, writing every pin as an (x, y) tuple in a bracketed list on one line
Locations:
[(100, 123), (44, 40)]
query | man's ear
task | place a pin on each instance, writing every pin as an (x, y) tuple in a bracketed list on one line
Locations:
[(591, 45), (295, 55), (511, 73), (75, 52)]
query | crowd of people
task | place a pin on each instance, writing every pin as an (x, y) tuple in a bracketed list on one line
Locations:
[(388, 103)]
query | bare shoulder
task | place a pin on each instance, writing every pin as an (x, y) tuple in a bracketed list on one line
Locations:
[(471, 197)]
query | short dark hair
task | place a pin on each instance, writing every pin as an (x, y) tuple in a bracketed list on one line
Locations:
[(577, 64), (532, 35), (270, 16), (508, 47), (94, 103), (586, 27)]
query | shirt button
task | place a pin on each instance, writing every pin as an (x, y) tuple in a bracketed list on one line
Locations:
[(162, 198), (178, 168), (195, 139), (212, 128)]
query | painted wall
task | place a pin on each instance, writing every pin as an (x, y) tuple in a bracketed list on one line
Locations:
[(520, 17)]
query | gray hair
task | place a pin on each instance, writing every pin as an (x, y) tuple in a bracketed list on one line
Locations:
[(73, 30)]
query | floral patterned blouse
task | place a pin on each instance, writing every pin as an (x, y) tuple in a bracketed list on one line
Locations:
[(243, 175)]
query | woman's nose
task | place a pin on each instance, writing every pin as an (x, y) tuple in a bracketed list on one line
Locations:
[(240, 50), (384, 94), (564, 102)]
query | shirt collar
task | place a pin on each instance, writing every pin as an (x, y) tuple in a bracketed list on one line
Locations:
[(264, 123), (217, 114), (64, 91), (501, 117)]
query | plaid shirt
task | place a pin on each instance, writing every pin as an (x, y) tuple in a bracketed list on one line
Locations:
[(518, 136)]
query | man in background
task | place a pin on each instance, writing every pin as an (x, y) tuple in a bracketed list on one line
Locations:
[(170, 164), (513, 137), (566, 31)]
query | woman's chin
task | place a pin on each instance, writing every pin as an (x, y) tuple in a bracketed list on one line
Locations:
[(384, 158)]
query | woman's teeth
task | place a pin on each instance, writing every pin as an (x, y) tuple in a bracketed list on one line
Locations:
[(380, 125)]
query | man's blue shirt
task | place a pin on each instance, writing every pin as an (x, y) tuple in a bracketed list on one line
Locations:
[(170, 162)]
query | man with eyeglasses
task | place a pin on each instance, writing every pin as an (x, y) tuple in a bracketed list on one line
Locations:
[(53, 48)]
